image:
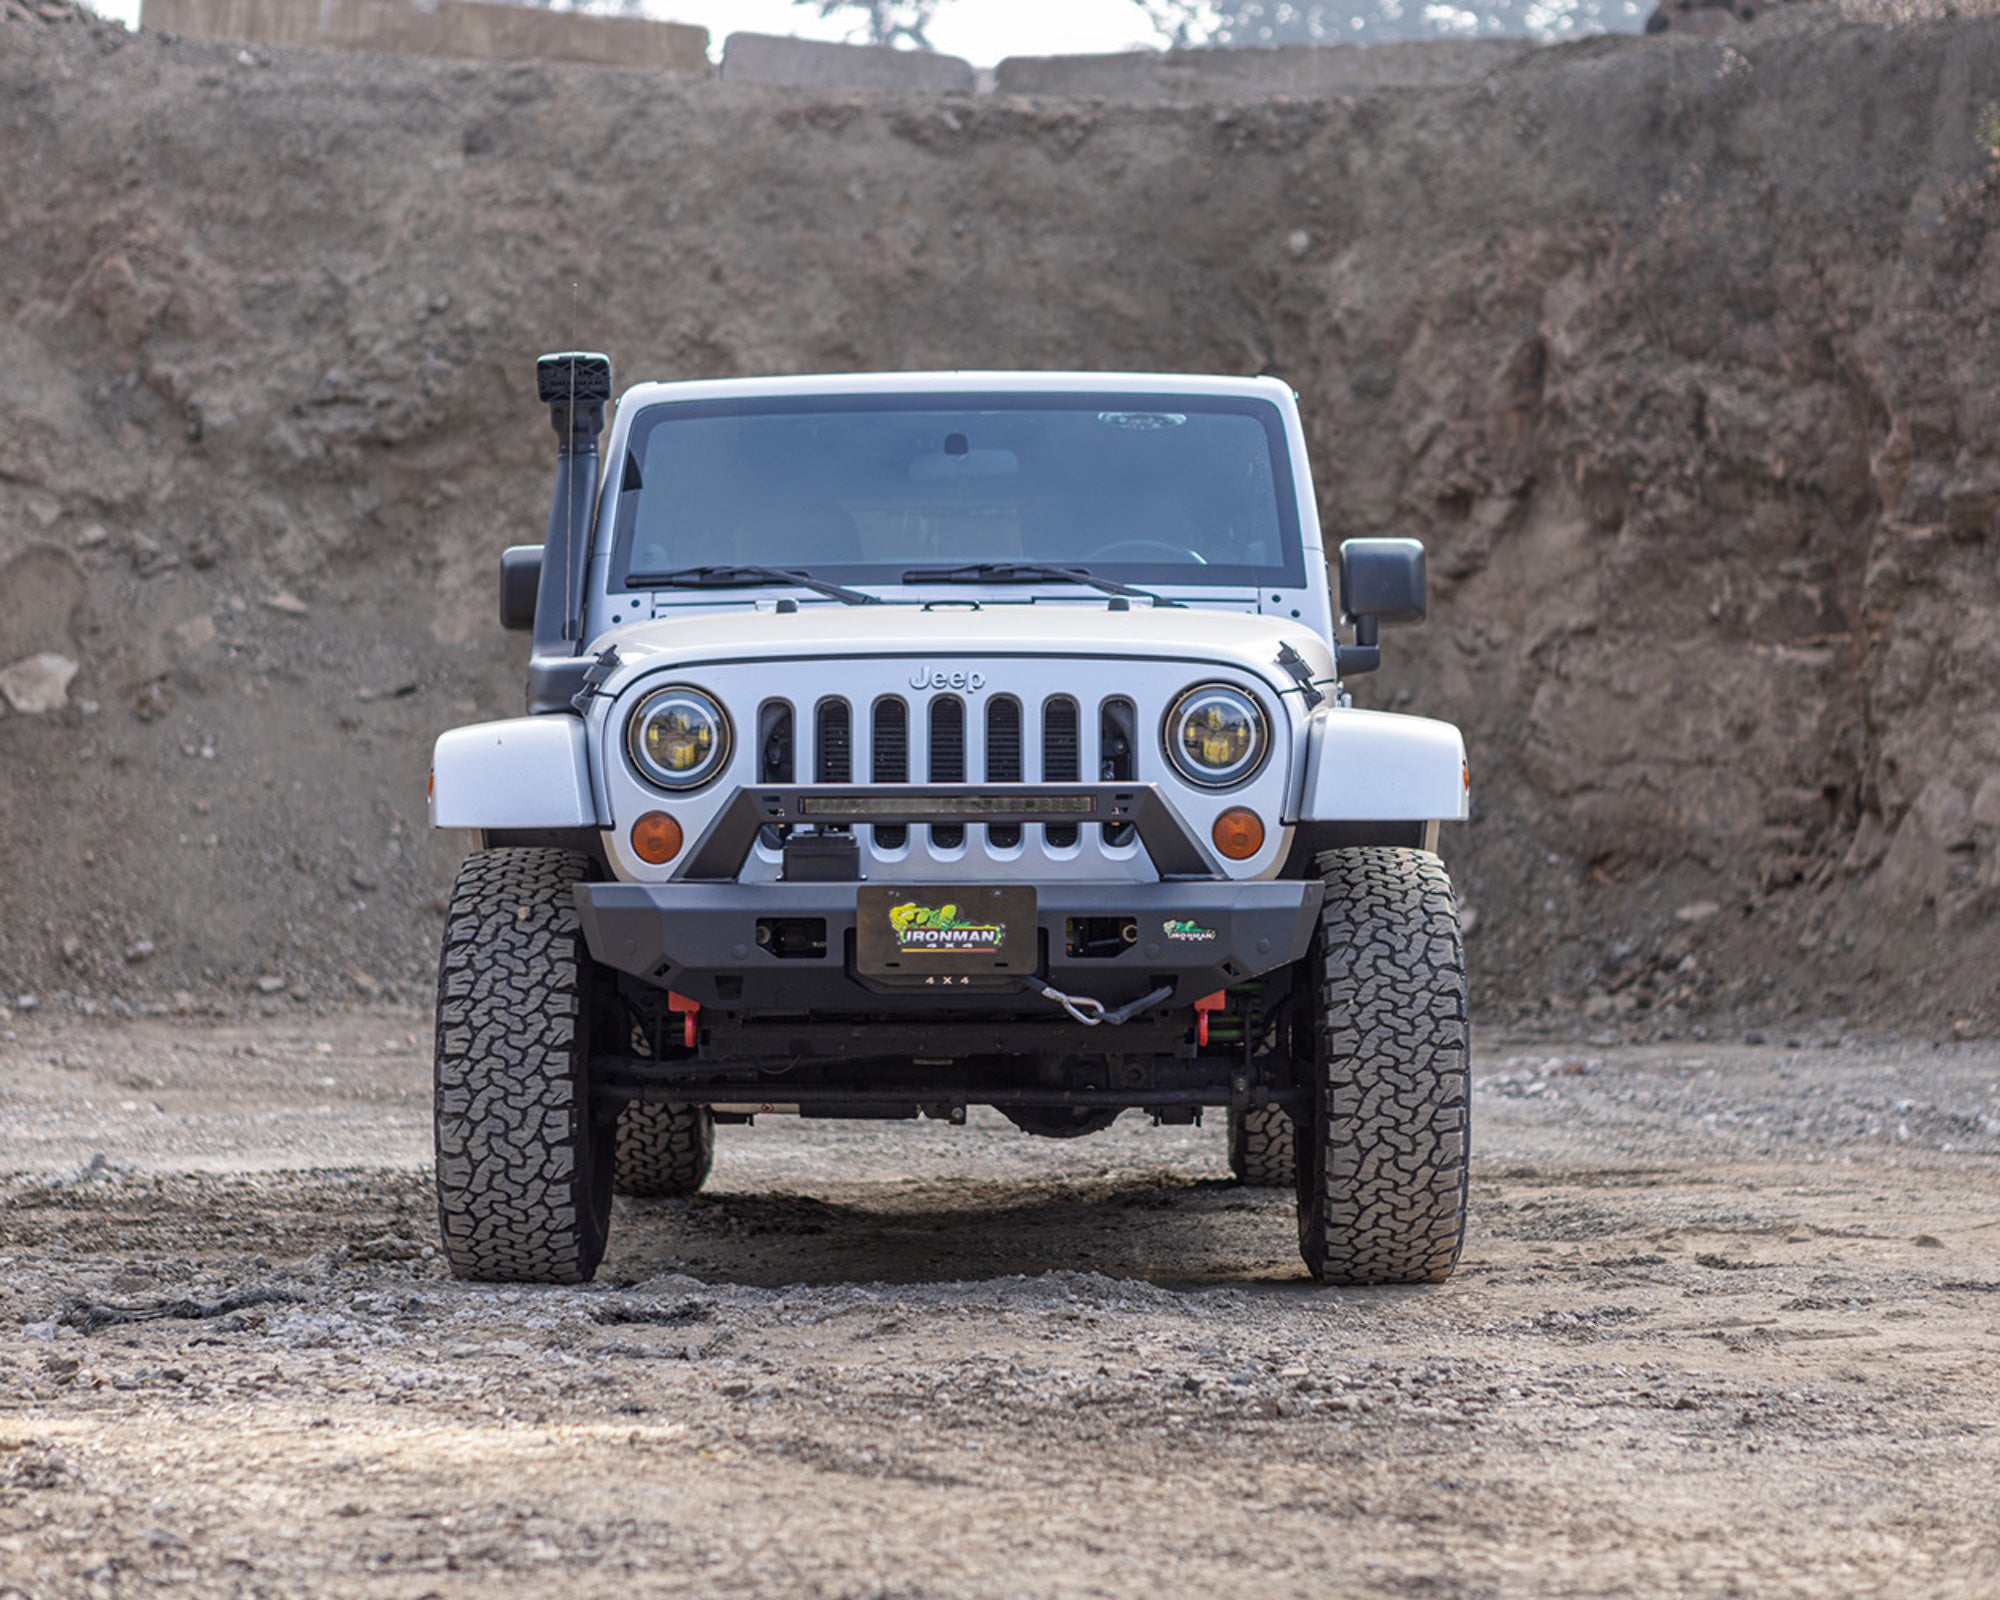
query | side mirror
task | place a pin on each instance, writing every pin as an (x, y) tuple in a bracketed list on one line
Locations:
[(520, 582), (1381, 580)]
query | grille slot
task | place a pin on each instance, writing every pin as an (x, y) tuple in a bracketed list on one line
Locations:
[(889, 760), (774, 742), (947, 763), (833, 743), (1003, 761), (1062, 758), (774, 756), (1118, 744)]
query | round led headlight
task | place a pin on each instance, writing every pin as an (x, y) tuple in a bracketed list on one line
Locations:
[(1215, 735), (678, 738)]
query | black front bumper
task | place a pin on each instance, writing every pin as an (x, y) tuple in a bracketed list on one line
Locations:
[(702, 940)]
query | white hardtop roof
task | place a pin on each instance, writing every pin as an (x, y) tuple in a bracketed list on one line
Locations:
[(926, 383)]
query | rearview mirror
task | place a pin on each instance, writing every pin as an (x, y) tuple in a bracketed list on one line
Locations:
[(1381, 580)]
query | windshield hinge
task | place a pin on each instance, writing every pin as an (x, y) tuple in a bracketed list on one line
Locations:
[(1295, 664), (600, 669)]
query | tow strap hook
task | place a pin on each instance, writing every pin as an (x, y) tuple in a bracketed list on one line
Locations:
[(1091, 1013), (1202, 1007), (690, 1013)]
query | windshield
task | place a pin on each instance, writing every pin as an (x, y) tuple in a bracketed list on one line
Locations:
[(1143, 489)]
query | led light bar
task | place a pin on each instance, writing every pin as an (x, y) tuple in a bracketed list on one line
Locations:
[(919, 808)]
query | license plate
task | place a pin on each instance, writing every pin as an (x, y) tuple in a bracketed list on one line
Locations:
[(945, 935)]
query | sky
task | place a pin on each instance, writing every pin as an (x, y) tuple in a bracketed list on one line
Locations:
[(982, 31)]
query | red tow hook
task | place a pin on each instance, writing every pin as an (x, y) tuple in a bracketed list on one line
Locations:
[(691, 1011), (1202, 1007)]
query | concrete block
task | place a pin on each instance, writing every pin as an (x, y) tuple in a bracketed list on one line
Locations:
[(467, 28), (815, 64), (1303, 71)]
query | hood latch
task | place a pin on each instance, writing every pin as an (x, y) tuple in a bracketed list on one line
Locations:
[(1295, 664), (600, 669)]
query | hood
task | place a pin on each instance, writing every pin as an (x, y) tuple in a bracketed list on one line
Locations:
[(962, 632)]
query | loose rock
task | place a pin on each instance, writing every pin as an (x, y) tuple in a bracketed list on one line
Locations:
[(37, 685)]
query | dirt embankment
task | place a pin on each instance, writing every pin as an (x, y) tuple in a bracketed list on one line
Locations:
[(1675, 353)]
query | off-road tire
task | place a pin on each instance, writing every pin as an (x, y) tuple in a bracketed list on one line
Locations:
[(1261, 1155), (663, 1150), (1382, 1155), (523, 1168)]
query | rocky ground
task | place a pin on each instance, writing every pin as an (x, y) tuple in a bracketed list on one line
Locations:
[(1725, 1326)]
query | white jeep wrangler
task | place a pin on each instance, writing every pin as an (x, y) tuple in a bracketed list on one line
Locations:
[(910, 742)]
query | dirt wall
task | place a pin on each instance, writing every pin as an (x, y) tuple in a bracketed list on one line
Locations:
[(1674, 351)]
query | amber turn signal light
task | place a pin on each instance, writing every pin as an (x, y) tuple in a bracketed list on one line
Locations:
[(1239, 833), (656, 838)]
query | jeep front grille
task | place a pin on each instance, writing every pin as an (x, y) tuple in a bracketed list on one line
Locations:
[(1002, 740)]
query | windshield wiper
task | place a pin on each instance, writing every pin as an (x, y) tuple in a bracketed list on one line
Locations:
[(1029, 572), (745, 578)]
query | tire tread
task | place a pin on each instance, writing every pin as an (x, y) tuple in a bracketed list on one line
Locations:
[(663, 1150), (1382, 1195), (516, 1193), (1261, 1148)]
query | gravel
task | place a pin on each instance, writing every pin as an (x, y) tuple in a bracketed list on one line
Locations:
[(1722, 1327)]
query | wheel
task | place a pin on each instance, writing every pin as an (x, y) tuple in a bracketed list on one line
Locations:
[(662, 1150), (523, 1167), (1260, 1148), (1382, 1157), (1178, 552)]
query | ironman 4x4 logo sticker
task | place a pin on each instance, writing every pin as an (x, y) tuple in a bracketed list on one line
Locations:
[(1182, 931), (921, 927)]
